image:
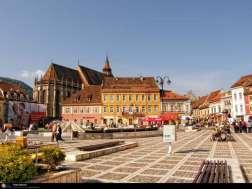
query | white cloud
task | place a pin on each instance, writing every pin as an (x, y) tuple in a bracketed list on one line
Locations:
[(25, 74), (30, 75)]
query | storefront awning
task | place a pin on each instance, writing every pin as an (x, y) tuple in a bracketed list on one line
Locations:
[(151, 119), (169, 116)]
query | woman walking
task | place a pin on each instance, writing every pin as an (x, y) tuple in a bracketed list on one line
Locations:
[(59, 133)]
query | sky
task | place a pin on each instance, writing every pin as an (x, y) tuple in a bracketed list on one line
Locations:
[(202, 45)]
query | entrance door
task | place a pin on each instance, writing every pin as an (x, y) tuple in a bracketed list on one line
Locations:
[(130, 121)]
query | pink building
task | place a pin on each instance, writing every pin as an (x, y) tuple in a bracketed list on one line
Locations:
[(84, 106)]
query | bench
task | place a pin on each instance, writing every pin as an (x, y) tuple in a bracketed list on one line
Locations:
[(213, 172), (93, 147)]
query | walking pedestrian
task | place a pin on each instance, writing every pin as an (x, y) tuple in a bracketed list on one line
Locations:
[(244, 126), (54, 130), (30, 127), (59, 134), (6, 132), (249, 125), (1, 130), (240, 125)]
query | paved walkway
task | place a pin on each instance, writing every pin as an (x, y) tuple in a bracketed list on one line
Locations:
[(149, 162)]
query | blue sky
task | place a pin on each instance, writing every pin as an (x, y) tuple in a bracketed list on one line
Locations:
[(201, 44)]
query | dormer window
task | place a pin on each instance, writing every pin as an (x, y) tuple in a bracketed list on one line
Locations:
[(77, 99), (89, 98)]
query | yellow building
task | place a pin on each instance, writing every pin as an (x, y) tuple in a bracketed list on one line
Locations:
[(125, 100)]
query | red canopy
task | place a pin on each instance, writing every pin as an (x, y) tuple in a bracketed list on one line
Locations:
[(152, 119), (169, 116)]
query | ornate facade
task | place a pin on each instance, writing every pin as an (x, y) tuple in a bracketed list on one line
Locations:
[(126, 99), (60, 82)]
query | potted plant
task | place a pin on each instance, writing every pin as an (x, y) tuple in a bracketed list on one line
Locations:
[(52, 156)]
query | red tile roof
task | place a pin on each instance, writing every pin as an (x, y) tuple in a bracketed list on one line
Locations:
[(248, 90), (203, 102), (196, 104), (89, 96), (243, 81), (171, 95), (129, 84), (9, 87), (215, 96)]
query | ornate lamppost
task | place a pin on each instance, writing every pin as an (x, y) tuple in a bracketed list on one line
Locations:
[(161, 80)]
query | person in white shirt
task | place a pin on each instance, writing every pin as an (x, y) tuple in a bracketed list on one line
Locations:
[(30, 127)]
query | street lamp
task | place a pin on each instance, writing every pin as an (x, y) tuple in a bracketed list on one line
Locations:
[(161, 80)]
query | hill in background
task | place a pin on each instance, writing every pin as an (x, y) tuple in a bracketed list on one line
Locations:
[(23, 85)]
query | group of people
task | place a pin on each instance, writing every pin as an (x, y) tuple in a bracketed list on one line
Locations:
[(56, 131), (242, 126)]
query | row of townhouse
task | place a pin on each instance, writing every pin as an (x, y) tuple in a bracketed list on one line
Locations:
[(212, 105), (86, 95), (124, 100), (118, 100), (237, 101)]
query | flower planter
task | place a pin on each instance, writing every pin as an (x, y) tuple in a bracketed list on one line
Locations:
[(65, 176)]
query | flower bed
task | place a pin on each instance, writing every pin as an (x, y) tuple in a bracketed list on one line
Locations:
[(17, 165)]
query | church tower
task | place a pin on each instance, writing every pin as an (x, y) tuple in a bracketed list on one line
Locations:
[(106, 68)]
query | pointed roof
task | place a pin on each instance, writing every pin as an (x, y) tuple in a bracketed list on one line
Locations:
[(215, 96), (92, 77), (60, 72), (243, 81), (203, 102), (197, 103), (106, 65)]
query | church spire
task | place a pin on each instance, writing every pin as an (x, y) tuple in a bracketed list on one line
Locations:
[(106, 68)]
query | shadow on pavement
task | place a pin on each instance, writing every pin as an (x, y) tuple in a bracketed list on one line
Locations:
[(193, 150)]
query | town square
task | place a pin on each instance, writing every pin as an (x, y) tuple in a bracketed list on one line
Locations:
[(125, 92)]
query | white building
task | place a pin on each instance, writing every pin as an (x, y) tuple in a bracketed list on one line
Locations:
[(226, 102), (238, 98)]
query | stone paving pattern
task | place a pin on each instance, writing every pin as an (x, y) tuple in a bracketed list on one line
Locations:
[(149, 162)]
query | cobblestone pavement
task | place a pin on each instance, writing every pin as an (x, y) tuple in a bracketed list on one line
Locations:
[(149, 162)]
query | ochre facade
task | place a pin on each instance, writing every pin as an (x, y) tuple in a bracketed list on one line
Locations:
[(125, 100)]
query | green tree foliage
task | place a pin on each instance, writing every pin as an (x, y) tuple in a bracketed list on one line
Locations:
[(16, 165), (52, 156)]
